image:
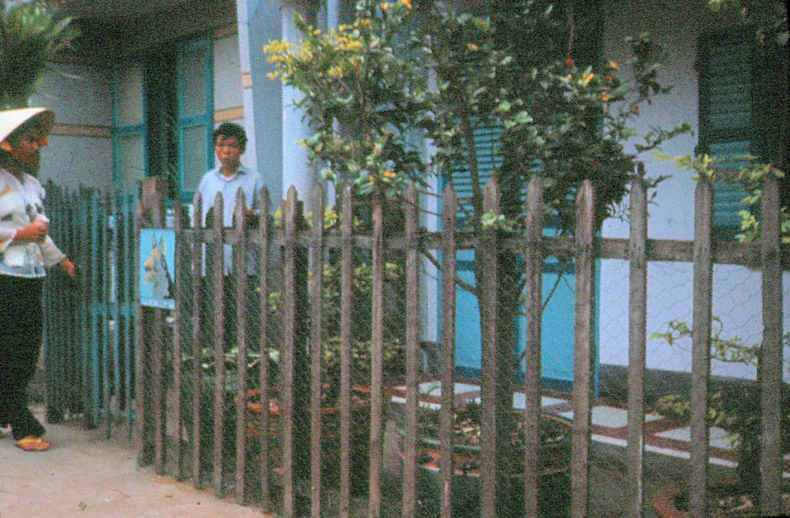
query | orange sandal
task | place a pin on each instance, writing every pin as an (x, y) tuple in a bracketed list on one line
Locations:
[(33, 443)]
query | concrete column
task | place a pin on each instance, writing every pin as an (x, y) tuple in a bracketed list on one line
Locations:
[(259, 22)]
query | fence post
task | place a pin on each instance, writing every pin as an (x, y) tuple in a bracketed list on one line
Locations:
[(637, 333), (770, 366), (150, 213), (533, 258), (700, 363), (583, 358)]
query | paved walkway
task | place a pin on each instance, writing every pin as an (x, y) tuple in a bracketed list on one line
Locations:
[(85, 475)]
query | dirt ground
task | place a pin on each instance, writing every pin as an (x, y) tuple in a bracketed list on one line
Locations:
[(86, 475)]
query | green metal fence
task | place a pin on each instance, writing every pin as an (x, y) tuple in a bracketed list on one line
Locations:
[(89, 331)]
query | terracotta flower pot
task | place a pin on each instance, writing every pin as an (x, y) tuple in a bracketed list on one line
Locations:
[(553, 481), (330, 455), (671, 501)]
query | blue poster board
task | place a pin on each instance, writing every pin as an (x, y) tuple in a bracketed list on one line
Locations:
[(157, 268)]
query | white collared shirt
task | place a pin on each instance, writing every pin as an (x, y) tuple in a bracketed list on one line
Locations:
[(213, 182)]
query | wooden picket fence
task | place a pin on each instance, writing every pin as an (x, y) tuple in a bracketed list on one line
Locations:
[(292, 256)]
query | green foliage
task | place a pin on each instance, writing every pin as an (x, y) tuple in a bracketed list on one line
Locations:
[(750, 177), (357, 77), (560, 121), (769, 17), (728, 350), (31, 35), (366, 94), (724, 410)]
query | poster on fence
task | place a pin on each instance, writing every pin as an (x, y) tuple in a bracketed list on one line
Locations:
[(157, 268)]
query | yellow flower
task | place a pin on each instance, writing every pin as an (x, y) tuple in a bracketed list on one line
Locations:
[(372, 180), (587, 78), (407, 3), (389, 174), (613, 65), (384, 6), (604, 97), (335, 72), (472, 46)]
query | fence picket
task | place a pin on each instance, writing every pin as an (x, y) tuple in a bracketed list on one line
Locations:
[(346, 291), (700, 366), (491, 479), (286, 396), (217, 272), (637, 336), (583, 359), (264, 236), (771, 360), (447, 369), (376, 361), (316, 315), (533, 258), (178, 325), (240, 268), (408, 507), (118, 357), (196, 257)]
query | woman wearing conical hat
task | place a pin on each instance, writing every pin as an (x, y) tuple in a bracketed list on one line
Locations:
[(26, 251)]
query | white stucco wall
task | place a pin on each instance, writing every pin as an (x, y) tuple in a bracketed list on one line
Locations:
[(79, 96), (737, 290)]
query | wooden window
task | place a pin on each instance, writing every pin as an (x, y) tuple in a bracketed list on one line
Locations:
[(164, 116)]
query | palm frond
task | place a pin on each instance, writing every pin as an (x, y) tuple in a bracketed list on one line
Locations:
[(31, 35)]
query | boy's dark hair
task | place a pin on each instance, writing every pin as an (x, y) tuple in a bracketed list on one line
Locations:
[(230, 129)]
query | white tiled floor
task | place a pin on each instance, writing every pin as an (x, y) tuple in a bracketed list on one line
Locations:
[(519, 401), (611, 417), (718, 438)]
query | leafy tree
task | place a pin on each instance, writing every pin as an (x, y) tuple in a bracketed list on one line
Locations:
[(511, 67)]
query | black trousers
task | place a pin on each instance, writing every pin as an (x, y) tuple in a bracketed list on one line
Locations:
[(21, 331)]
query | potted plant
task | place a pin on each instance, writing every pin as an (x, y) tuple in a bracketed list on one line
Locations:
[(733, 409), (554, 455)]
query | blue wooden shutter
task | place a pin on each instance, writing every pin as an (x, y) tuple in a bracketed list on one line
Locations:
[(726, 118), (486, 139)]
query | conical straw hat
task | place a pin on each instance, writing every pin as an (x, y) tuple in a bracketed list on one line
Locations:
[(12, 119)]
